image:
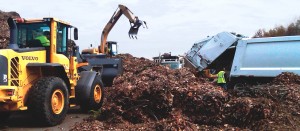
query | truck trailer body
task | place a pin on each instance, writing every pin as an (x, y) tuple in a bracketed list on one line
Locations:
[(266, 57)]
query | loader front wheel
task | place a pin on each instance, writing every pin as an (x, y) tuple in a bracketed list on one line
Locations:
[(57, 101), (96, 96), (49, 100)]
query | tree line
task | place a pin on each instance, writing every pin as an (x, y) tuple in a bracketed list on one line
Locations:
[(292, 29)]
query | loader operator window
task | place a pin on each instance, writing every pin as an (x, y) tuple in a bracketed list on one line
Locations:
[(61, 43), (33, 34)]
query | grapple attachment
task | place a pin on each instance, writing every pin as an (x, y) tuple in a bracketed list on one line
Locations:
[(135, 28)]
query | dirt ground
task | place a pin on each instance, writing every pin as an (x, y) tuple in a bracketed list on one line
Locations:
[(23, 121)]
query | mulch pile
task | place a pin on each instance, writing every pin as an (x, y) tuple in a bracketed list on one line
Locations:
[(153, 97), (287, 78), (4, 28)]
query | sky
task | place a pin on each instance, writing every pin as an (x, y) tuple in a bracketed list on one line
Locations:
[(173, 25)]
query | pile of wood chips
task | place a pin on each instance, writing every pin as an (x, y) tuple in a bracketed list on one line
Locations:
[(153, 97), (4, 28)]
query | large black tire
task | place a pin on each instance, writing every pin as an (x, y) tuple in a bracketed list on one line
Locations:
[(95, 100), (4, 116), (48, 100)]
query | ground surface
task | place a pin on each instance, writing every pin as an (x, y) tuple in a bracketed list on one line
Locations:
[(22, 121)]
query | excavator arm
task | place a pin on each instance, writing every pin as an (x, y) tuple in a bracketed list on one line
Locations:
[(135, 23), (96, 57)]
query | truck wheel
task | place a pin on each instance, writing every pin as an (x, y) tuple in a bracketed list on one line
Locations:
[(96, 96), (4, 116), (49, 100)]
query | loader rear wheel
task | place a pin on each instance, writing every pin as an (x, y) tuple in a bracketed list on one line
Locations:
[(49, 100), (95, 100)]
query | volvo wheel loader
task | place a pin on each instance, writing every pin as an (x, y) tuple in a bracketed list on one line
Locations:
[(45, 80)]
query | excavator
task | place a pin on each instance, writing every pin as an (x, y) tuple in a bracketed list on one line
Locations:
[(100, 59), (110, 47)]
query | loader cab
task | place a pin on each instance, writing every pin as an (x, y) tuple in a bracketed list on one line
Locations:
[(51, 30), (28, 34)]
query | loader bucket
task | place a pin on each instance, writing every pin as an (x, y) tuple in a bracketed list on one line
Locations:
[(111, 67)]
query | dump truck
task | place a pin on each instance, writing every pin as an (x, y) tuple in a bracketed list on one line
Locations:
[(246, 60), (166, 59)]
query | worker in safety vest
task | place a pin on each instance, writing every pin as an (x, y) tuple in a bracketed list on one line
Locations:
[(44, 39), (221, 79)]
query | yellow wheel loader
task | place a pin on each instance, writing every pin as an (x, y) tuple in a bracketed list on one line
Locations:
[(41, 74)]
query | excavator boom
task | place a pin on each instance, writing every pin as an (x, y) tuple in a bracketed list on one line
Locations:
[(135, 24), (97, 57)]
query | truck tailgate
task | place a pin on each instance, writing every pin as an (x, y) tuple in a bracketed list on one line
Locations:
[(203, 53)]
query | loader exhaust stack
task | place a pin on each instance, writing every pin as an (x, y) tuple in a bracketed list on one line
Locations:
[(13, 34)]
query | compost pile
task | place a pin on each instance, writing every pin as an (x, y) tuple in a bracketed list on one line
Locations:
[(284, 93), (4, 28), (153, 97)]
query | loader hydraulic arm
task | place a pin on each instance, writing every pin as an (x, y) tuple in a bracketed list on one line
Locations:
[(135, 23)]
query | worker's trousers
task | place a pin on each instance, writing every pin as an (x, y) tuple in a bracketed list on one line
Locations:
[(223, 85)]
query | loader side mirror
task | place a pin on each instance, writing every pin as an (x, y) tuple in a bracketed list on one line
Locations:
[(75, 34)]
